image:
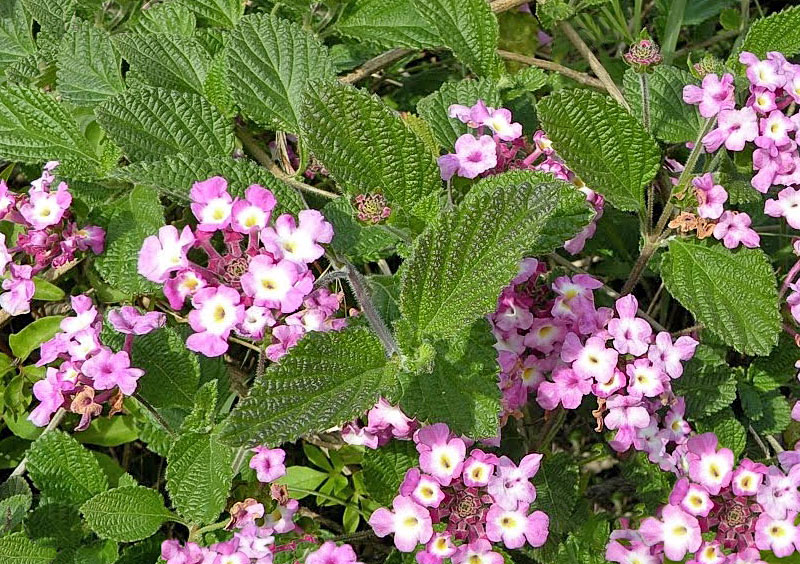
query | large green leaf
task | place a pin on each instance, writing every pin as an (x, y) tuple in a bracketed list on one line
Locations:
[(172, 371), (732, 293), (727, 428), (433, 108), (220, 13), (671, 119), (270, 61), (602, 143), (63, 470), (326, 380), (199, 474), (777, 32), (166, 17), (16, 38), (462, 389), (153, 123), (556, 485), (385, 467), (175, 175), (34, 128), (387, 24), (126, 514), (707, 391), (367, 147), (52, 15), (460, 264), (468, 28), (88, 66), (19, 549), (28, 339), (173, 61)]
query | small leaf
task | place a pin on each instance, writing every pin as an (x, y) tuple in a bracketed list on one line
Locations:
[(327, 379), (18, 549), (358, 242), (34, 334), (270, 61), (52, 15), (707, 391), (171, 371), (777, 414), (556, 485), (728, 429), (15, 501), (16, 37), (385, 468), (217, 13), (46, 291), (88, 66), (602, 143), (201, 419), (166, 17), (303, 478), (732, 293), (126, 514)]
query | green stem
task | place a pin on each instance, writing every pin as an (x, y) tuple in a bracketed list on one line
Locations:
[(156, 415), (644, 86), (196, 534)]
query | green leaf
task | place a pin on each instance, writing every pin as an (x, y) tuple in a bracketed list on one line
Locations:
[(707, 391), (777, 414), (171, 371), (387, 24), (109, 431), (52, 15), (126, 514), (132, 221), (777, 32), (556, 485), (34, 334), (727, 428), (671, 119), (367, 147), (199, 474), (384, 291), (460, 264), (468, 28), (303, 478), (270, 61), (219, 13), (217, 87), (462, 389), (46, 291), (63, 470), (153, 123), (172, 61), (18, 549), (57, 523), (733, 294), (201, 418), (385, 468), (34, 128), (327, 379), (174, 176), (166, 17), (601, 143), (776, 370), (433, 108), (358, 242), (16, 38), (88, 67), (15, 501), (752, 405)]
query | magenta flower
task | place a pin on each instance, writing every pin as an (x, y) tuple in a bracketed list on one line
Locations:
[(747, 478), (217, 311), (329, 553), (714, 96), (109, 369), (679, 531), (477, 552), (567, 388), (286, 336), (268, 463), (499, 121), (626, 414), (164, 253), (211, 203), (185, 283), (409, 522), (5, 256), (478, 468), (708, 466), (7, 199), (50, 393), (19, 287), (298, 243), (440, 455), (734, 129), (281, 520), (778, 535), (44, 209), (438, 548), (591, 360), (130, 321), (775, 129), (385, 416), (692, 498), (778, 495), (644, 379), (631, 334), (421, 488), (734, 229), (765, 74), (254, 211), (514, 526), (637, 553), (511, 484), (668, 356), (473, 156), (278, 285), (787, 205), (710, 196)]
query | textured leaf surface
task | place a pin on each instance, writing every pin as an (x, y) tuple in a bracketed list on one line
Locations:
[(16, 39), (126, 514), (19, 549), (368, 147), (172, 61), (327, 379), (732, 293), (88, 67), (671, 119), (174, 176), (602, 143), (777, 32), (222, 13), (171, 370), (15, 501), (153, 123), (52, 15), (63, 470), (139, 217), (462, 389), (433, 108), (459, 265), (707, 391), (468, 28), (777, 414), (270, 61), (56, 522), (556, 485), (730, 432), (385, 468), (201, 418), (166, 17), (199, 474), (34, 128), (388, 24)]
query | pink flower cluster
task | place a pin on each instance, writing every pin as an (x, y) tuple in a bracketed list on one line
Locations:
[(506, 149), (48, 237), (720, 512), (384, 423), (475, 498), (260, 285), (553, 342), (89, 373)]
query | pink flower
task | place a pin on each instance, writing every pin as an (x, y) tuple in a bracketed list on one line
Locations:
[(766, 74), (499, 121), (255, 320), (761, 99), (7, 199), (638, 553), (440, 455), (217, 311), (733, 228), (644, 379), (211, 203), (514, 526), (478, 468), (185, 283), (710, 196), (631, 334), (787, 205), (86, 315), (679, 531), (778, 495), (298, 243), (286, 336), (329, 553), (511, 484), (438, 548), (675, 426), (668, 356), (128, 320), (268, 463), (410, 523), (421, 488), (50, 393), (477, 552), (278, 285), (778, 535), (775, 129), (164, 253), (385, 416), (708, 466), (734, 129), (254, 211), (281, 520), (693, 498), (626, 414), (567, 388), (44, 209), (5, 256), (473, 156), (714, 96), (19, 290), (544, 334), (591, 360), (108, 369), (747, 477)]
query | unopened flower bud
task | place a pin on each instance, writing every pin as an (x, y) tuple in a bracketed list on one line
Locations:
[(372, 208), (643, 55)]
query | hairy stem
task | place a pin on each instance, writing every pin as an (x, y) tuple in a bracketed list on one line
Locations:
[(790, 276), (154, 412), (644, 86), (357, 284)]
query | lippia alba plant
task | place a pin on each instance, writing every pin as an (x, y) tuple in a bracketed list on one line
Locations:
[(394, 281)]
